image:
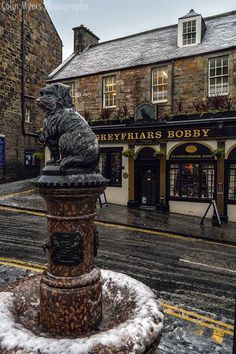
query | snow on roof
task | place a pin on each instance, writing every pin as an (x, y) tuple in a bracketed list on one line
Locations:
[(191, 13), (158, 45)]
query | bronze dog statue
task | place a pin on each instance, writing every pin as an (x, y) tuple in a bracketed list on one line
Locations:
[(71, 142)]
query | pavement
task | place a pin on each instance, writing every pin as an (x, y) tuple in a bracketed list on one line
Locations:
[(20, 195)]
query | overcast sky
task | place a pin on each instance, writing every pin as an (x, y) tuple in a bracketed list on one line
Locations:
[(110, 19)]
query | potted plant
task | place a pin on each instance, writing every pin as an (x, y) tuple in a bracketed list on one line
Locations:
[(129, 153), (218, 153)]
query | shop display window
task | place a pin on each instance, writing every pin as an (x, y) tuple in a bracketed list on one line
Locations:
[(110, 165), (192, 180), (232, 181)]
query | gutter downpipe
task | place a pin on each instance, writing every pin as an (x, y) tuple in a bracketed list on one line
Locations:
[(172, 85), (23, 73)]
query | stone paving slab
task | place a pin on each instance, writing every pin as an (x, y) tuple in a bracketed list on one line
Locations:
[(136, 217)]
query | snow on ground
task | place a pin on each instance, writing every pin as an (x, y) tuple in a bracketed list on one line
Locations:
[(141, 329)]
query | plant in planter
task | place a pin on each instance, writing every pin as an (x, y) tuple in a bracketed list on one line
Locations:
[(229, 103), (218, 153), (179, 104), (129, 153), (40, 156), (123, 112), (87, 116), (106, 114), (216, 103)]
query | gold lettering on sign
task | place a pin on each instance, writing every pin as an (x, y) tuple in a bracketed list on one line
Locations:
[(205, 132), (158, 135), (171, 134), (196, 133), (123, 136), (142, 136), (130, 136), (116, 136), (187, 133), (109, 136), (179, 133), (136, 136), (150, 135), (103, 137)]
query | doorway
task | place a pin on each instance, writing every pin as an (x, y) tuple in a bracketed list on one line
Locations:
[(147, 177)]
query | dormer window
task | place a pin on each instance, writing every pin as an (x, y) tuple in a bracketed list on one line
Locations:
[(189, 32), (191, 29)]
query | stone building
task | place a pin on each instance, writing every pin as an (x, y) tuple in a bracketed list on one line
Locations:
[(162, 105), (30, 49)]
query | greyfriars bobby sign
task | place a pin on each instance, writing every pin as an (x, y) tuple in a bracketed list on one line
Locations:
[(145, 111)]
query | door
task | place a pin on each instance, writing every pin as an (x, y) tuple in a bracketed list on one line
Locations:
[(148, 185)]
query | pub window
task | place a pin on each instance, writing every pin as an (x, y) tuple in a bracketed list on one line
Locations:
[(159, 84), (110, 165), (72, 91), (219, 76), (189, 32), (232, 181), (27, 115), (109, 91), (192, 180)]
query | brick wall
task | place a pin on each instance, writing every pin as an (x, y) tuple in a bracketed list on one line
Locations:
[(134, 85), (43, 50)]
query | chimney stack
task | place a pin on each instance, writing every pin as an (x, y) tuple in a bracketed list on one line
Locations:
[(83, 37)]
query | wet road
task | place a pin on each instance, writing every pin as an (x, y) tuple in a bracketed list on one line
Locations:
[(194, 275)]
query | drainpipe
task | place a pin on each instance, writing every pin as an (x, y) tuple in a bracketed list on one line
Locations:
[(23, 73), (172, 85)]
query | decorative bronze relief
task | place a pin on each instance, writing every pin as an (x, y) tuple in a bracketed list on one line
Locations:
[(67, 248)]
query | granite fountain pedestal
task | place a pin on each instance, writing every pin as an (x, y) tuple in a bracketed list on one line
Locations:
[(74, 307)]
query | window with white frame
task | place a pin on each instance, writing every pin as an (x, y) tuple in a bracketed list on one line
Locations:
[(109, 91), (159, 84), (27, 114), (189, 32), (72, 91), (219, 76)]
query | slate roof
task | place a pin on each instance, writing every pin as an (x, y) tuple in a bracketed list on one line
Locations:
[(155, 46), (191, 13)]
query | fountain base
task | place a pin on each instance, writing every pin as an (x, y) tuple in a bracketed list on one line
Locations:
[(132, 320)]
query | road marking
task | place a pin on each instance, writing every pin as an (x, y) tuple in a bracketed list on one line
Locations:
[(23, 211), (123, 227), (194, 314), (160, 233), (218, 336), (22, 263), (208, 266), (219, 328), (198, 322), (17, 193)]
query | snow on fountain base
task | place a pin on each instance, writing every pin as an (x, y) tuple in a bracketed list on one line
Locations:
[(132, 320)]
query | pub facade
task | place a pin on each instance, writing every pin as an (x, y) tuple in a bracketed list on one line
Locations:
[(161, 103), (174, 169)]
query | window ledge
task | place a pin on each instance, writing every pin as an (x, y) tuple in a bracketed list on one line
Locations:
[(162, 101)]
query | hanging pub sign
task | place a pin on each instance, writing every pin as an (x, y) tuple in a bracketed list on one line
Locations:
[(145, 112), (191, 151), (2, 151)]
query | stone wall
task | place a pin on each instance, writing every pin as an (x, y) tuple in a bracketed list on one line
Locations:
[(190, 77), (42, 52)]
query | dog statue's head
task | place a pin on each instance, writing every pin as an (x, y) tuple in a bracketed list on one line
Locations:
[(54, 97)]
